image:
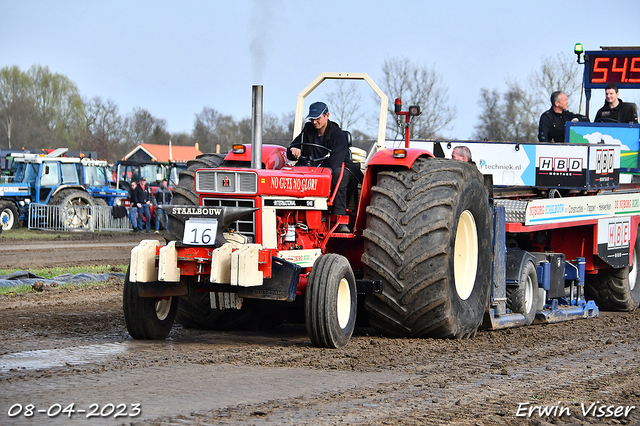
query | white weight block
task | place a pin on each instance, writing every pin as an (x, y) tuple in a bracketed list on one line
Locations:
[(168, 263), (221, 264), (143, 262), (244, 266)]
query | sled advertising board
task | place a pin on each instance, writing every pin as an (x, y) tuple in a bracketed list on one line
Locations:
[(613, 240), (550, 165), (626, 136), (571, 209)]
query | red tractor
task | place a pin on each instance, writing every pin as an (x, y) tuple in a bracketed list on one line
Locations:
[(437, 248), (247, 228)]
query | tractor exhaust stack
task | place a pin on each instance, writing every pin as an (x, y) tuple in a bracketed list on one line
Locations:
[(256, 127)]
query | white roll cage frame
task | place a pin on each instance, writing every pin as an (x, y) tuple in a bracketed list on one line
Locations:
[(384, 102)]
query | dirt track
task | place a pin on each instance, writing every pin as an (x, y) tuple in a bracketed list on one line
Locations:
[(63, 347), (79, 249)]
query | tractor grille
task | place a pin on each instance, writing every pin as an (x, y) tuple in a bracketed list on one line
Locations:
[(226, 182), (246, 226)]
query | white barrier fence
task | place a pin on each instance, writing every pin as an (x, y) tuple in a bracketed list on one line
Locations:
[(75, 218)]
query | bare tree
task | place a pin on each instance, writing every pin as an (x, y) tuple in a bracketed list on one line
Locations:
[(182, 139), (345, 104), (556, 73), (491, 126), (213, 130), (277, 130), (14, 86), (508, 117), (142, 127), (520, 113), (39, 108), (417, 85), (104, 129), (514, 115), (58, 100)]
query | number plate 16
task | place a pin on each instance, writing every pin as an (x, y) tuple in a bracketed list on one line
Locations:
[(200, 232)]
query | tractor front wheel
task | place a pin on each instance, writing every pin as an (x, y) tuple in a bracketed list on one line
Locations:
[(147, 318), (8, 215), (330, 302)]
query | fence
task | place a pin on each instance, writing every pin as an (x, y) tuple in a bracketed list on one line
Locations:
[(75, 218)]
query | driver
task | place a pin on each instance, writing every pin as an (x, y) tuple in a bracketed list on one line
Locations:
[(553, 121), (614, 109), (324, 133)]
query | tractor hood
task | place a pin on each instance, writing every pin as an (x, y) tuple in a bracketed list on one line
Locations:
[(14, 190), (288, 181)]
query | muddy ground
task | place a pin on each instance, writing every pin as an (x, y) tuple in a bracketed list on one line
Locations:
[(61, 347)]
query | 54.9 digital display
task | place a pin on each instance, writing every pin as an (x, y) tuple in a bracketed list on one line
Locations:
[(620, 68)]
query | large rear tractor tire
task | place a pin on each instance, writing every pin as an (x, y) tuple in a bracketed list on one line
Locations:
[(525, 298), (74, 202), (147, 318), (9, 217), (428, 238), (616, 289), (331, 302)]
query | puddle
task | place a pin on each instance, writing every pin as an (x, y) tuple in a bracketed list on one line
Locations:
[(33, 360)]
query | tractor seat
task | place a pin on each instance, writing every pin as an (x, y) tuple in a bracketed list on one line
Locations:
[(357, 155)]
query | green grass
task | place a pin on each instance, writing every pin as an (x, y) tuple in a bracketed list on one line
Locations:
[(26, 234), (54, 272), (21, 289)]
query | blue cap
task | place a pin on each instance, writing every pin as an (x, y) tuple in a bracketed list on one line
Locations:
[(316, 109)]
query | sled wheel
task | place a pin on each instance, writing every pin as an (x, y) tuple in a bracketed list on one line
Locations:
[(524, 299), (330, 302), (147, 318), (616, 289)]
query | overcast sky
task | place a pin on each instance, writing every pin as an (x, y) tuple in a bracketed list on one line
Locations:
[(175, 57)]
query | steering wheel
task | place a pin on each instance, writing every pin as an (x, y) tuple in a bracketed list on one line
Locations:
[(606, 120), (305, 160)]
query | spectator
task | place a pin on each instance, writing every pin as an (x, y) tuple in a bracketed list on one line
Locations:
[(462, 153), (143, 203), (161, 197), (133, 210)]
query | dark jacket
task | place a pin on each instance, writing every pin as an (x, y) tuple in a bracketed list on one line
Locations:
[(624, 112), (552, 125), (162, 196), (334, 139), (142, 195), (133, 196)]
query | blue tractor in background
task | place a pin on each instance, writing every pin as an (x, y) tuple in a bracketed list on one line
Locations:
[(55, 180)]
